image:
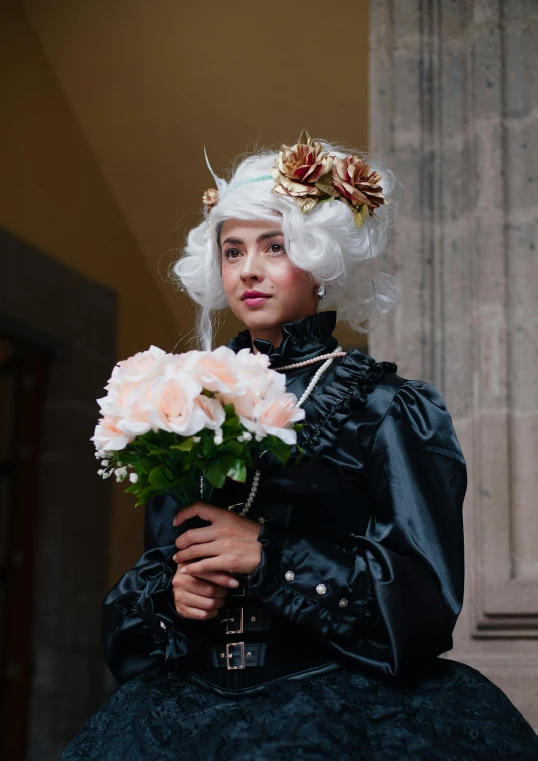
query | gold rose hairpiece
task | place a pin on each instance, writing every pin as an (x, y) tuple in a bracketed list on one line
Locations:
[(310, 176)]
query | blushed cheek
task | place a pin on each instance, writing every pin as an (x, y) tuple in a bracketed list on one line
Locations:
[(291, 281)]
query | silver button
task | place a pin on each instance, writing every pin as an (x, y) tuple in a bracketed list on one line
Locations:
[(289, 576), (343, 602), (162, 625), (321, 589)]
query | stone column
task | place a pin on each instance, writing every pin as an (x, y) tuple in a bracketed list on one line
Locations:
[(453, 94)]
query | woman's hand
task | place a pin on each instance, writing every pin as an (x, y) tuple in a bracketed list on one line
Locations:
[(195, 597), (230, 544)]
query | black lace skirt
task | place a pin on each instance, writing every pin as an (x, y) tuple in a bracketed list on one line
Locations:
[(453, 713)]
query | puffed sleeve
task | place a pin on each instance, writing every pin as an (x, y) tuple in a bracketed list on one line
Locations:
[(140, 626), (394, 597)]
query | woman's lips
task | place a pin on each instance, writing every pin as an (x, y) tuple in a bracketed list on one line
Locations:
[(254, 301)]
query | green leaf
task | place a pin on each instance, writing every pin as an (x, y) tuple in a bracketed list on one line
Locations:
[(237, 471), (283, 456), (231, 426), (215, 474), (145, 494), (160, 477), (233, 446), (184, 446)]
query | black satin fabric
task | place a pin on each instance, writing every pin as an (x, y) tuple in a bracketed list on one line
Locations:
[(373, 512), (376, 517)]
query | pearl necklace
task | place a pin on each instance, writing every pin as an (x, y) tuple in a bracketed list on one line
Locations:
[(329, 358)]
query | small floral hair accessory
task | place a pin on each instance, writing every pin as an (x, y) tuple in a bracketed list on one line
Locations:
[(310, 176), (210, 199)]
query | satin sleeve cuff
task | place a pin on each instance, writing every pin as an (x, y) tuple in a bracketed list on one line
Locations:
[(313, 582), (141, 627)]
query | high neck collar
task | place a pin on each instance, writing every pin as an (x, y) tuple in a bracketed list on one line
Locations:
[(302, 339)]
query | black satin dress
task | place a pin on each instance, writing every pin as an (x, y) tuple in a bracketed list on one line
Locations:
[(330, 650)]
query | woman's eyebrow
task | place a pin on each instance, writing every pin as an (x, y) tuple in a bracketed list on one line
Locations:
[(263, 236)]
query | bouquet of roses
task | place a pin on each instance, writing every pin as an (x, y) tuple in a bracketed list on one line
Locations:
[(183, 423)]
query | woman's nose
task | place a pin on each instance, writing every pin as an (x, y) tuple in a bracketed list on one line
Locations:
[(251, 268)]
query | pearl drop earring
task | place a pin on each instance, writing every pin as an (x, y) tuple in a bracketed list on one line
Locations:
[(321, 292)]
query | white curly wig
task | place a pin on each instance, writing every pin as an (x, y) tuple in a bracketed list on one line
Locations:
[(324, 241)]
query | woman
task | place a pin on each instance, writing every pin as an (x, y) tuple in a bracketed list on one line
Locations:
[(301, 615)]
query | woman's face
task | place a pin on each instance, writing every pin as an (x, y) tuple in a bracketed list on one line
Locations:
[(253, 258)]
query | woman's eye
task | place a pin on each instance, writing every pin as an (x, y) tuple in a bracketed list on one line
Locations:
[(274, 248)]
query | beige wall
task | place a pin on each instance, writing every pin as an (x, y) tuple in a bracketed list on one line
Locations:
[(52, 194), (107, 109)]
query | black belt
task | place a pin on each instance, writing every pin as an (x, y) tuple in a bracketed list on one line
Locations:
[(248, 646), (245, 663), (237, 655), (239, 620)]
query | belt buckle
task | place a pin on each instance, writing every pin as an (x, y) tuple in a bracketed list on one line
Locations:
[(240, 591), (236, 612), (229, 655)]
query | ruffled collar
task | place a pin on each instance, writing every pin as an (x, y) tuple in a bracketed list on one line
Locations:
[(301, 339)]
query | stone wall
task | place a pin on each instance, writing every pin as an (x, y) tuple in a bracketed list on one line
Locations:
[(453, 104)]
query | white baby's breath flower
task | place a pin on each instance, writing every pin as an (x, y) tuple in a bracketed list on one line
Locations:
[(133, 477), (247, 436), (196, 439), (104, 463), (121, 474)]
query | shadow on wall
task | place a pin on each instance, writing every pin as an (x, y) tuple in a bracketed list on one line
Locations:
[(57, 346)]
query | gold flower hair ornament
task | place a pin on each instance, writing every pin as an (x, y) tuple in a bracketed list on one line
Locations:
[(310, 176), (210, 199)]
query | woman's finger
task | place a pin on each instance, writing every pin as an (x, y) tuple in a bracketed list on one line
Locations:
[(200, 587), (208, 564), (198, 601), (220, 579), (224, 580), (195, 536), (196, 613), (201, 509), (208, 549)]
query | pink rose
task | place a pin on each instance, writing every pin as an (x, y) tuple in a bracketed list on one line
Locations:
[(274, 416), (108, 436)]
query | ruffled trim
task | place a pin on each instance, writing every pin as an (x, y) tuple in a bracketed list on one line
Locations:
[(150, 601), (301, 339), (353, 379)]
